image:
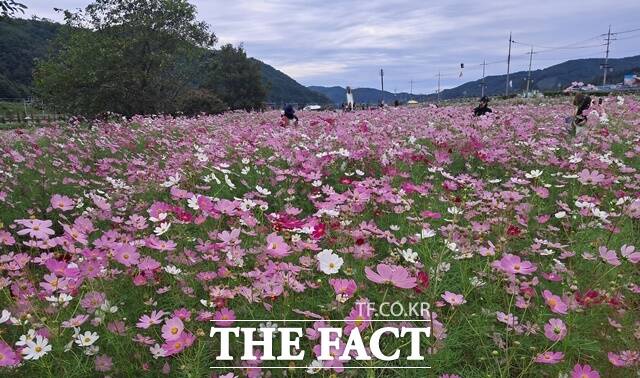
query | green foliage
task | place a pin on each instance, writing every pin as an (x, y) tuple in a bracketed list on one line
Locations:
[(199, 101), (236, 79), (128, 57)]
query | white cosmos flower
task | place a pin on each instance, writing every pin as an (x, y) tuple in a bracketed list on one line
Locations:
[(316, 183), (171, 269), (173, 180), (160, 218), (87, 339), (245, 161), (533, 174), (561, 214), (426, 233), (409, 255), (5, 316), (193, 203), (329, 262), (315, 367), (359, 172), (394, 227), (245, 170), (24, 339), (36, 349), (229, 182), (157, 351), (164, 227), (454, 210), (263, 191)]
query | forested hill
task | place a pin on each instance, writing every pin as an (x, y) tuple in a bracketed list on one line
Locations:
[(23, 41)]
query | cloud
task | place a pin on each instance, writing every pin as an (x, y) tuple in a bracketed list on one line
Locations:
[(340, 42)]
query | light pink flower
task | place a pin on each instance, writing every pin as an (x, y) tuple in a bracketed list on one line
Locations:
[(276, 246), (224, 317), (62, 203), (629, 252), (512, 264), (609, 256), (453, 299), (36, 228), (555, 330), (395, 275), (172, 328)]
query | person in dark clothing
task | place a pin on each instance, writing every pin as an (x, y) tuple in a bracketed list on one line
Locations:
[(483, 108), (582, 102), (289, 114)]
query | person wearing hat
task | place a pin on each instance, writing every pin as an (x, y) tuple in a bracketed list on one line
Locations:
[(289, 114), (483, 108)]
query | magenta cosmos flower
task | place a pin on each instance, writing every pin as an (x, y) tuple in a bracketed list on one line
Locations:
[(549, 357), (344, 287), (584, 371), (555, 330), (8, 357), (395, 275)]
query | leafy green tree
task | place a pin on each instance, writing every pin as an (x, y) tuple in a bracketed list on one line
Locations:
[(236, 78), (10, 7), (125, 56)]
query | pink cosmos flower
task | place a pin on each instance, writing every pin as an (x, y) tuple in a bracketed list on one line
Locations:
[(178, 345), (276, 246), (127, 255), (395, 275), (555, 330), (8, 357), (103, 363), (453, 299), (62, 203), (172, 328), (590, 177), (555, 303), (359, 317), (36, 228), (584, 371), (6, 238), (609, 256), (92, 300), (549, 358), (224, 317), (147, 321), (76, 321), (629, 252), (512, 264), (343, 287)]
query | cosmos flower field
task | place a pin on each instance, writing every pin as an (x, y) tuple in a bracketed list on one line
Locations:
[(122, 242)]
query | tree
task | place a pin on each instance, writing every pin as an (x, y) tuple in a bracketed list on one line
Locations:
[(10, 7), (124, 56), (236, 78)]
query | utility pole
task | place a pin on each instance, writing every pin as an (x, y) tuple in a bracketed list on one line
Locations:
[(438, 86), (605, 67), (484, 65), (529, 78), (382, 86), (411, 92), (506, 91)]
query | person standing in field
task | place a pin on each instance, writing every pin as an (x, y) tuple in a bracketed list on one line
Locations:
[(582, 102), (483, 108), (349, 106), (288, 114)]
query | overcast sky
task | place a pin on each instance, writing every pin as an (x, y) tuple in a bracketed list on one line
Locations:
[(335, 42)]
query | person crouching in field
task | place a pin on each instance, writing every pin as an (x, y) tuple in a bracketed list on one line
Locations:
[(288, 114), (579, 121), (482, 108)]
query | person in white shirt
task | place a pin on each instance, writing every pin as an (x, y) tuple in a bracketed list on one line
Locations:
[(349, 106)]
